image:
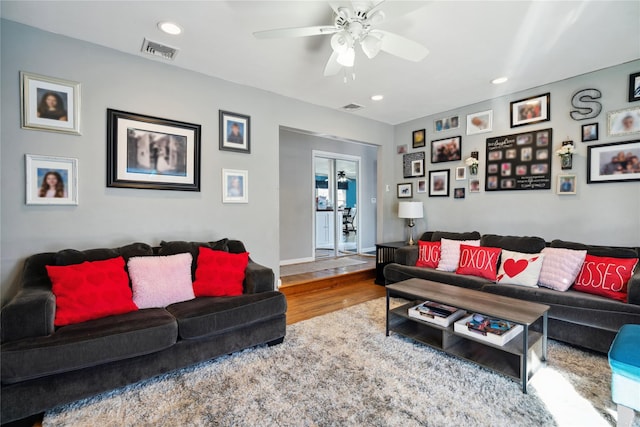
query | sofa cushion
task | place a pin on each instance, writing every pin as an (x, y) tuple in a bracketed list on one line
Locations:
[(605, 276), (181, 247), (436, 236), (90, 290), (428, 254), (219, 273), (518, 268), (560, 267), (479, 261), (73, 256), (450, 253), (88, 344), (208, 316), (525, 244), (604, 251), (161, 280)]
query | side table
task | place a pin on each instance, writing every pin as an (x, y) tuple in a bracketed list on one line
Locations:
[(385, 253)]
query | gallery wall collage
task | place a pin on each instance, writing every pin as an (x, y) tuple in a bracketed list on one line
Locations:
[(522, 159)]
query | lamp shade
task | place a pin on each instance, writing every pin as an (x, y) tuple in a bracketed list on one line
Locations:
[(410, 210)]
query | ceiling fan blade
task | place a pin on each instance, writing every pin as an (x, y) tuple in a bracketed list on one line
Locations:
[(333, 67), (401, 46), (295, 32)]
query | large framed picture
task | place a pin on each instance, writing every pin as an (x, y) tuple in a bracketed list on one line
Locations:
[(531, 110), (152, 153), (405, 190), (624, 122), (51, 180), (446, 150), (235, 132), (439, 183), (235, 186), (49, 104), (615, 162), (480, 122), (634, 87)]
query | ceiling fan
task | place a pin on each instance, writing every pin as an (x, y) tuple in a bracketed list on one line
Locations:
[(351, 26)]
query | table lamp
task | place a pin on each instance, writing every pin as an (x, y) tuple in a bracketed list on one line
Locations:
[(410, 210)]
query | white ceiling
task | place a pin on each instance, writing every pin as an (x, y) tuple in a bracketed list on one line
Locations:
[(470, 43)]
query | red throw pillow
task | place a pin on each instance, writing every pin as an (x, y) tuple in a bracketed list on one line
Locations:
[(604, 276), (219, 273), (479, 261), (428, 254), (90, 290)]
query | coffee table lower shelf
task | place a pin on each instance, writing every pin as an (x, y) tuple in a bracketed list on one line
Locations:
[(507, 359)]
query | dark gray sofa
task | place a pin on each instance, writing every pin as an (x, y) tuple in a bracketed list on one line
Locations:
[(43, 366), (577, 318)]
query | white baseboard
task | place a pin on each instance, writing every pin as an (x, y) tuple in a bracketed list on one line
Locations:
[(371, 249), (296, 261)]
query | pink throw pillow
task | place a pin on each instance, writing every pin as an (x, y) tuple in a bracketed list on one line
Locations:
[(450, 253), (560, 267), (159, 281)]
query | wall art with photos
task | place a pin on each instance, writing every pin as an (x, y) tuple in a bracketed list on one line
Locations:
[(531, 110), (624, 122), (49, 104), (235, 132), (422, 186), (405, 190), (419, 138), (235, 186), (519, 162), (446, 150), (615, 162), (446, 123), (474, 186), (413, 165), (590, 132), (439, 183), (480, 122), (458, 193), (634, 87), (461, 173), (566, 184), (51, 180), (152, 153)]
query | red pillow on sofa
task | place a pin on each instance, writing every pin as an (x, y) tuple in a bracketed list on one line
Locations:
[(605, 276), (428, 254), (90, 290), (479, 261), (219, 273)]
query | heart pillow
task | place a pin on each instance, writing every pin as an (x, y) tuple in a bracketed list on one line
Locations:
[(520, 269)]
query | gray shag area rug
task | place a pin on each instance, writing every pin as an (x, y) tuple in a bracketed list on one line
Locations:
[(341, 370)]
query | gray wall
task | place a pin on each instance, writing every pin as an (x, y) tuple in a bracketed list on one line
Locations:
[(599, 214), (296, 191), (108, 217)]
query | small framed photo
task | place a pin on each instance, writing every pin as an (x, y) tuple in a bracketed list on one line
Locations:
[(235, 132), (474, 186), (235, 186), (624, 122), (446, 150), (458, 193), (634, 87), (615, 162), (566, 184), (446, 123), (480, 122), (419, 138), (461, 173), (51, 180), (422, 186), (417, 168), (405, 190), (402, 149), (49, 104), (439, 183), (590, 132), (531, 110)]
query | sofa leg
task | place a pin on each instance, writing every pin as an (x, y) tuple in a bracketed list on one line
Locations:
[(275, 342)]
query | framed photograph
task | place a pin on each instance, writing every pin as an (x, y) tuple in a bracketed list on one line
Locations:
[(417, 168), (531, 110), (615, 162), (566, 184), (402, 149), (474, 186), (439, 183), (405, 190), (446, 123), (419, 138), (634, 87), (49, 104), (409, 164), (624, 122), (152, 153), (235, 186), (461, 173), (458, 193), (590, 132), (481, 122), (51, 180), (446, 150), (235, 132), (422, 186)]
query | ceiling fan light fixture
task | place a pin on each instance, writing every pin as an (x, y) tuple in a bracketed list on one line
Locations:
[(347, 58), (340, 42), (371, 45)]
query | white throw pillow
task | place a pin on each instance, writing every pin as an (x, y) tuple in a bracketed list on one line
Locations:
[(159, 281), (517, 268), (560, 267), (450, 253)]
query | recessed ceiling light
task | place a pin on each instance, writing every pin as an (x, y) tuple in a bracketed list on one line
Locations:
[(499, 80), (377, 97), (170, 28)]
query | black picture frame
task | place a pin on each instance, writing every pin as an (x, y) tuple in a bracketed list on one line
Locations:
[(634, 87), (153, 153), (419, 138), (613, 171), (589, 132), (229, 124), (405, 190), (538, 106), (441, 149), (439, 183)]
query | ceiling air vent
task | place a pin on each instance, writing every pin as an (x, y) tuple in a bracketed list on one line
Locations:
[(352, 107), (157, 49)]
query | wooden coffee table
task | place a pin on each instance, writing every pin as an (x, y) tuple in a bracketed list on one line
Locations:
[(519, 358)]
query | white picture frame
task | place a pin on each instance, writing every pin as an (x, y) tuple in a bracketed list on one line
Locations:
[(481, 122), (567, 184), (235, 186), (51, 180), (461, 173), (624, 122)]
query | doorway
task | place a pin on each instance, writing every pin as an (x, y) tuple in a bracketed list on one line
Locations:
[(336, 196)]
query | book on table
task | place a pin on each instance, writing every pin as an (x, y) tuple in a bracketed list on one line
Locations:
[(485, 328), (433, 312)]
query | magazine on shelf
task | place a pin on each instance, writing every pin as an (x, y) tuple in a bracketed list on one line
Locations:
[(437, 313), (485, 328)]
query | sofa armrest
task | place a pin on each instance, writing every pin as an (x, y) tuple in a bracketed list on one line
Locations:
[(258, 278), (407, 255), (29, 314), (633, 288)]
